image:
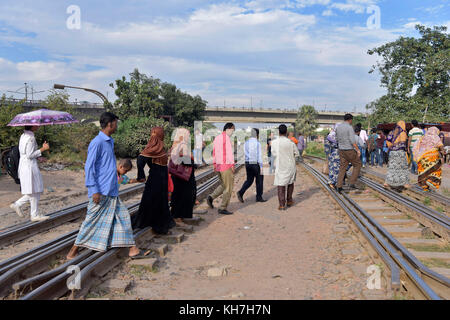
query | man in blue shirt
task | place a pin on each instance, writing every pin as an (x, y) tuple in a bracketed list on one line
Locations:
[(107, 224), (253, 166)]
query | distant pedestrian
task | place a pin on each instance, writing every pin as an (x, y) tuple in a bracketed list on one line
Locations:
[(154, 207), (348, 152), (301, 145), (414, 135), (380, 142), (385, 152), (107, 223), (285, 153), (198, 147), (31, 184), (223, 161), (269, 153), (292, 137), (398, 173), (372, 147), (363, 135), (184, 191), (253, 167), (427, 152)]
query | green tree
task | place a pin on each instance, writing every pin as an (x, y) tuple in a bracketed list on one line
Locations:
[(137, 97), (415, 72), (9, 136), (145, 96), (306, 120)]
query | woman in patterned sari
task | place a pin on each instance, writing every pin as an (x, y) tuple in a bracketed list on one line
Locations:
[(332, 152), (398, 173), (428, 157)]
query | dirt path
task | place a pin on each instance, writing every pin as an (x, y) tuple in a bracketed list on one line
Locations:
[(306, 252)]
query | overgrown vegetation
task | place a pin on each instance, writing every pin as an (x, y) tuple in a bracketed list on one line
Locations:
[(133, 134), (143, 102), (315, 149), (144, 96), (415, 73)]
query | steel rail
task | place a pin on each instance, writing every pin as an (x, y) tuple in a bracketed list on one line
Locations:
[(379, 233), (53, 283), (416, 189), (418, 207), (35, 261), (25, 230), (410, 258), (28, 229), (395, 271)]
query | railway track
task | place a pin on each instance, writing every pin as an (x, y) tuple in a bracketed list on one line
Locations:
[(41, 273), (411, 239), (16, 233), (438, 201)]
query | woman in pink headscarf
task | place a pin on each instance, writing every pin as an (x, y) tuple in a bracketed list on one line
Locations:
[(427, 153), (185, 192)]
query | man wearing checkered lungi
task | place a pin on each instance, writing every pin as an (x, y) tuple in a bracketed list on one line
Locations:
[(107, 224)]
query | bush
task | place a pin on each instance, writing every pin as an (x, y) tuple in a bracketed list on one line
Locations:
[(133, 134), (315, 149), (68, 143), (9, 136)]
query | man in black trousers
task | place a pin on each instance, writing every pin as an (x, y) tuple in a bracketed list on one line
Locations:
[(253, 166)]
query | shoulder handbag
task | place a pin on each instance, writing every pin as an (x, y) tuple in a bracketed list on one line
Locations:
[(180, 171)]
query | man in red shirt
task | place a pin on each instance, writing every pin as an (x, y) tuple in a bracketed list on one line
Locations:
[(223, 160)]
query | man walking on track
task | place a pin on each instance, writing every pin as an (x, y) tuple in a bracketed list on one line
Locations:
[(301, 145), (348, 152), (107, 224), (253, 166), (223, 160), (285, 152)]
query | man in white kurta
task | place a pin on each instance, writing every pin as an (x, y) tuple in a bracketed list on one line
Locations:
[(285, 152), (31, 184)]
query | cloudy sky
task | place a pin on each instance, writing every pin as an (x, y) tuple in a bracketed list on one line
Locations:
[(272, 53)]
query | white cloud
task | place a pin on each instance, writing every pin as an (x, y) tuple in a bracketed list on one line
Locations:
[(328, 13), (221, 51), (357, 6)]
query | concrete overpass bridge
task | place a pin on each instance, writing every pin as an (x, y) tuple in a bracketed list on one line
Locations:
[(260, 115), (92, 111)]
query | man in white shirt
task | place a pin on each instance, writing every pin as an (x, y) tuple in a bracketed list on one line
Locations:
[(253, 166), (285, 152), (364, 137)]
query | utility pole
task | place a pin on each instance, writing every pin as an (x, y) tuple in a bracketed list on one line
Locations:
[(26, 92)]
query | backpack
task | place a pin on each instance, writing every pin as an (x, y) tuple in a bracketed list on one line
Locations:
[(10, 162)]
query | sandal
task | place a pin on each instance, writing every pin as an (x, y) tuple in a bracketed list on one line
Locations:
[(143, 254)]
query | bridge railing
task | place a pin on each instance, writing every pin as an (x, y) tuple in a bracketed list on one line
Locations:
[(38, 103)]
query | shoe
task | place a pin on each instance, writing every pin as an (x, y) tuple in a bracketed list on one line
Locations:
[(143, 254), (225, 212), (281, 208), (289, 204), (339, 190), (239, 196), (209, 201), (261, 200), (354, 187), (17, 209), (39, 218)]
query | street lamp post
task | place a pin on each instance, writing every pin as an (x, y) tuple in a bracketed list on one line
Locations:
[(97, 93)]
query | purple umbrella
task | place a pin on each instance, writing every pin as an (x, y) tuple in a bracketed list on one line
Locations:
[(42, 117)]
